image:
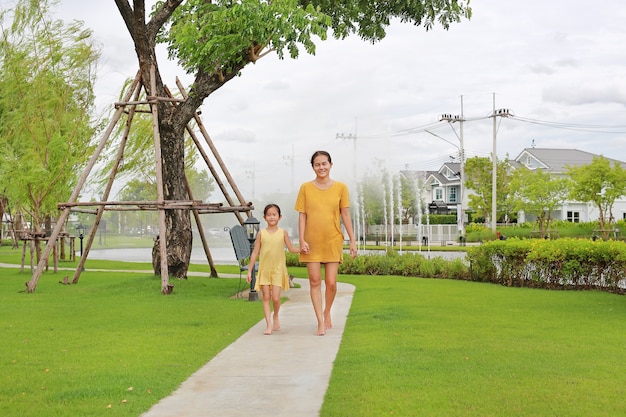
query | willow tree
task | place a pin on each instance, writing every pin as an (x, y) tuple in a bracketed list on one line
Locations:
[(47, 71), (215, 40)]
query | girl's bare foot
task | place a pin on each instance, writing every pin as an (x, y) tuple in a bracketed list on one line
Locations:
[(328, 322), (276, 324), (268, 331), (321, 330)]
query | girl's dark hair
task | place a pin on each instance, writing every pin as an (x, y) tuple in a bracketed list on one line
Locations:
[(318, 153), (269, 206)]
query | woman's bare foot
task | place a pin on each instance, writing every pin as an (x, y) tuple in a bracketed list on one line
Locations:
[(276, 324), (321, 330), (268, 331), (328, 322)]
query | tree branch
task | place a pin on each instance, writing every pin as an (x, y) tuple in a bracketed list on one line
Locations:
[(161, 16), (127, 15)]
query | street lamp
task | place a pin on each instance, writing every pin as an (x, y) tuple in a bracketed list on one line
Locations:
[(252, 229), (81, 234)]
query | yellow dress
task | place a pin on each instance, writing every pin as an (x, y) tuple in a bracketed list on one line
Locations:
[(272, 260), (323, 228)]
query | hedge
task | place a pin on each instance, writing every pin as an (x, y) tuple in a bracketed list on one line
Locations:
[(408, 264), (554, 264), (565, 263)]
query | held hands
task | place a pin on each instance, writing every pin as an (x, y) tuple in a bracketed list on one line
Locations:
[(304, 247)]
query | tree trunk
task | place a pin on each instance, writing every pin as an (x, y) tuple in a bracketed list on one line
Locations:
[(172, 123), (178, 232)]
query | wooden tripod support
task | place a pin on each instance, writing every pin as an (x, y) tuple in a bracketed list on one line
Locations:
[(196, 206)]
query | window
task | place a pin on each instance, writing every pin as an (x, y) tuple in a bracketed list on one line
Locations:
[(438, 194), (452, 195), (573, 216)]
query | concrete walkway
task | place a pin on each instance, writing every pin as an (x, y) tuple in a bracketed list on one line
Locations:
[(285, 374)]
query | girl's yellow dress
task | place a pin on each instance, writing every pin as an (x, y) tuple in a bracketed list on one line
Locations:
[(323, 228), (272, 260)]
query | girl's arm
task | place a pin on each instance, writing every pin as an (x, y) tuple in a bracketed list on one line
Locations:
[(254, 256), (288, 243), (304, 246), (347, 223)]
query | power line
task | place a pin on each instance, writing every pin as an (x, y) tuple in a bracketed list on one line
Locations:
[(573, 126), (592, 128)]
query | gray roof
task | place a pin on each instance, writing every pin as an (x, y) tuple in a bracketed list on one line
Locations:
[(557, 160)]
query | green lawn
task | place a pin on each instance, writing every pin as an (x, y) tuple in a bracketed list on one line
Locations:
[(424, 347), (113, 345)]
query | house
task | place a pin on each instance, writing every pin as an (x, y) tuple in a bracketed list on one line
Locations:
[(556, 162), (441, 189)]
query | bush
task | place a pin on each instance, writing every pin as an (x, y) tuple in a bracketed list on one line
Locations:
[(440, 219), (554, 264)]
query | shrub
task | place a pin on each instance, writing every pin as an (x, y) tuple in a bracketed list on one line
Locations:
[(555, 264)]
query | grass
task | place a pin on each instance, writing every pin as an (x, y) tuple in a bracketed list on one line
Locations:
[(113, 345), (423, 347)]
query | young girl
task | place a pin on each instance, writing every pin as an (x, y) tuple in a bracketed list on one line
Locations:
[(272, 275)]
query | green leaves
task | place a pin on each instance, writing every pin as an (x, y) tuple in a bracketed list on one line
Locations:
[(47, 70), (538, 193), (224, 35), (601, 183), (555, 264)]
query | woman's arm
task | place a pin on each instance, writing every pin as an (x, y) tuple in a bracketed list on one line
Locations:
[(347, 223), (304, 246)]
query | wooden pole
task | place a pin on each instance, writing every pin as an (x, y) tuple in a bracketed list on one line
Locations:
[(166, 288), (105, 196), (32, 284), (216, 154), (205, 245)]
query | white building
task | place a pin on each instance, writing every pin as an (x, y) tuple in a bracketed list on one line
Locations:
[(442, 188), (556, 161)]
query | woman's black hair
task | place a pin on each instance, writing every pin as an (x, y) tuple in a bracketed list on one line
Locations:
[(269, 206), (318, 153)]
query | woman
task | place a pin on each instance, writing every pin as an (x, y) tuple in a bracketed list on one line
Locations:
[(322, 203)]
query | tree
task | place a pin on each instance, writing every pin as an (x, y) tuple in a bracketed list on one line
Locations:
[(373, 195), (479, 178), (409, 199), (538, 193), (47, 70), (138, 167), (601, 184), (215, 40)]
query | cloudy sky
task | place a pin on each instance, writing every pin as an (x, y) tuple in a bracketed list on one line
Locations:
[(560, 67)]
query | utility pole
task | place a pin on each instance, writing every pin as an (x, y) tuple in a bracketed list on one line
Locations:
[(251, 174), (494, 157), (494, 176), (460, 214), (354, 199), (291, 158)]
